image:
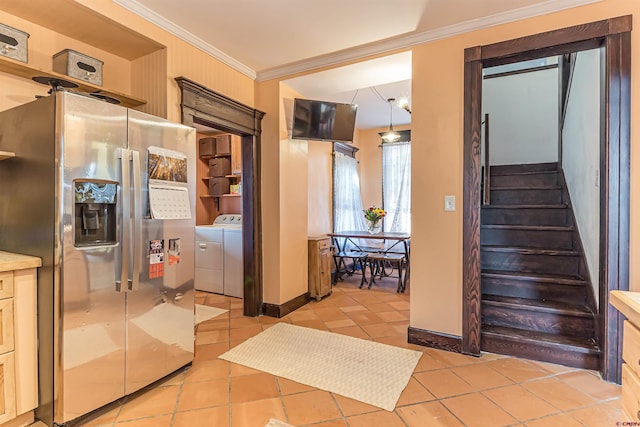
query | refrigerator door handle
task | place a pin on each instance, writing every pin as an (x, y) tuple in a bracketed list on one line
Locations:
[(137, 221), (125, 237)]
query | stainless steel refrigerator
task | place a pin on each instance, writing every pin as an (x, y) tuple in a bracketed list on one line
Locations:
[(116, 289)]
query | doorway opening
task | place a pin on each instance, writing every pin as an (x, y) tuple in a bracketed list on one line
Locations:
[(614, 37), (206, 109)]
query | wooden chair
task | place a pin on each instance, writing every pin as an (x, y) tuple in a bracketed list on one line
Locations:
[(339, 258)]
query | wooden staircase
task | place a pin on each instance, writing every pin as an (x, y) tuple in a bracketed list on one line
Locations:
[(536, 299)]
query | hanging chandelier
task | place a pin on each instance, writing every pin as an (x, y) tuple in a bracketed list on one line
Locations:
[(390, 135)]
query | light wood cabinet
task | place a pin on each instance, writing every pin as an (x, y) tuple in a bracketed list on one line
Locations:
[(7, 387), (320, 258), (18, 339), (631, 371)]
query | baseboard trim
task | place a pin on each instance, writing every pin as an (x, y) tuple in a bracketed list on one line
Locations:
[(433, 339), (275, 310)]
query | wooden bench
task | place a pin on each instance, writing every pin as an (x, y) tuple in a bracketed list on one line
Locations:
[(377, 262)]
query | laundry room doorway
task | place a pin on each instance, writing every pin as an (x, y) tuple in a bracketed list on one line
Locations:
[(228, 141)]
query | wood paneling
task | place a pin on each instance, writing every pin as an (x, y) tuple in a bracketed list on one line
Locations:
[(148, 81), (275, 310), (614, 203), (471, 205), (434, 340)]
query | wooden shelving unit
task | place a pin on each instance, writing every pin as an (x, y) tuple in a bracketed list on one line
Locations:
[(6, 155), (21, 69)]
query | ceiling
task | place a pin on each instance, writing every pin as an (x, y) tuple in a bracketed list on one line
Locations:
[(275, 38)]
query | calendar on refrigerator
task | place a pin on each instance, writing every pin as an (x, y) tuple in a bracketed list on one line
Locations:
[(168, 192)]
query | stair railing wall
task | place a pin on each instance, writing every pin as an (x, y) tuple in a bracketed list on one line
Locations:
[(487, 168)]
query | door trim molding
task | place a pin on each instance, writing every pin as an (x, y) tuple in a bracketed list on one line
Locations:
[(201, 105), (614, 35)]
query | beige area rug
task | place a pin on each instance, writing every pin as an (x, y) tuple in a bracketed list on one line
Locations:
[(367, 371), (204, 312)]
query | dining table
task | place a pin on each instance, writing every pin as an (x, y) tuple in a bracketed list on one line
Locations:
[(391, 243)]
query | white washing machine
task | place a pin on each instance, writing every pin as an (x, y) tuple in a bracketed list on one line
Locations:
[(233, 267), (209, 274)]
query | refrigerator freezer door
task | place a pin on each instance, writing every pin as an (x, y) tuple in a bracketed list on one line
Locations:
[(160, 307), (91, 339)]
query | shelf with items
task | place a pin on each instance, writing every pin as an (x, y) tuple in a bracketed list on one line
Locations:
[(21, 69), (219, 172), (6, 155), (132, 60)]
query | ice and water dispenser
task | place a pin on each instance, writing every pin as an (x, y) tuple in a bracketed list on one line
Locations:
[(95, 212)]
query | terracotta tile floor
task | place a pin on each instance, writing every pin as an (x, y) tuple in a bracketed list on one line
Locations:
[(446, 389)]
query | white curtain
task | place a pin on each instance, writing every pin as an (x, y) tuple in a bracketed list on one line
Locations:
[(347, 201), (396, 186)]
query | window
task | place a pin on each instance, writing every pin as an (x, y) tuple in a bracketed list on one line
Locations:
[(396, 186), (347, 202)]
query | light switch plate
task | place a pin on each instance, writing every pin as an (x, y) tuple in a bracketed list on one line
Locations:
[(449, 203)]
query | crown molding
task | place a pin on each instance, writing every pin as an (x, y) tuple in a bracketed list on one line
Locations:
[(412, 39), (359, 52), (151, 16)]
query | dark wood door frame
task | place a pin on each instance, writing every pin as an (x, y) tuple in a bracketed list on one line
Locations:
[(614, 35), (201, 105)]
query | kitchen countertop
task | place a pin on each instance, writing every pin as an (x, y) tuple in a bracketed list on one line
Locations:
[(627, 303), (10, 261)]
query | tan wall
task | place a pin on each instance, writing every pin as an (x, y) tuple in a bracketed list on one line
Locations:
[(437, 97), (267, 100), (182, 60), (284, 197), (294, 205)]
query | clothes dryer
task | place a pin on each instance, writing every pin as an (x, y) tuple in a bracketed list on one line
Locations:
[(209, 261)]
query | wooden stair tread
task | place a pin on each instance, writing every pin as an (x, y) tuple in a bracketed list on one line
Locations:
[(528, 187), (528, 227), (537, 305), (528, 251), (525, 167), (502, 173), (554, 206), (535, 277), (561, 342)]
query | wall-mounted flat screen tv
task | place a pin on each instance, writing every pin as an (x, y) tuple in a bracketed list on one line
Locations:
[(323, 121)]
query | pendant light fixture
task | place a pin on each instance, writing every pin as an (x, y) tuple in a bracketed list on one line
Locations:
[(390, 135)]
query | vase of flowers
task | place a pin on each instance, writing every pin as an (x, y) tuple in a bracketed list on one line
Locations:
[(374, 216)]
